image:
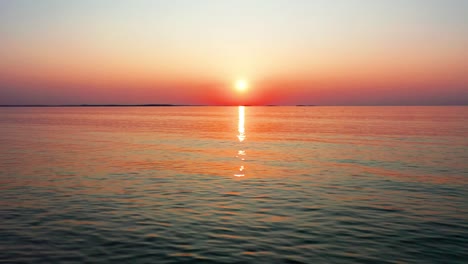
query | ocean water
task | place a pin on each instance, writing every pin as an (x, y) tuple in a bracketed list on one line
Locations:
[(234, 185)]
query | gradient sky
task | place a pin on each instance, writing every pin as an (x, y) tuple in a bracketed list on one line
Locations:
[(343, 52)]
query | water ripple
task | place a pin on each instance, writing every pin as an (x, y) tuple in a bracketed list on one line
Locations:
[(155, 186)]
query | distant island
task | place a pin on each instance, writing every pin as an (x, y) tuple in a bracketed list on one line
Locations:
[(128, 105), (100, 105)]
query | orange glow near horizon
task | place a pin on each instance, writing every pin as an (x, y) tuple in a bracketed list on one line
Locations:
[(290, 58)]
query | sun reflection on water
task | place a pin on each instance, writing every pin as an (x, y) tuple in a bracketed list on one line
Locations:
[(241, 128), (241, 136)]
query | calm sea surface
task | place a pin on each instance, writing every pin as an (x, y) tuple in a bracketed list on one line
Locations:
[(234, 185)]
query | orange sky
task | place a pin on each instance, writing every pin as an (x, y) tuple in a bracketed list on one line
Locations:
[(192, 52)]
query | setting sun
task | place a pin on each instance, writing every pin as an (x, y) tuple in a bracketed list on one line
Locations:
[(241, 85)]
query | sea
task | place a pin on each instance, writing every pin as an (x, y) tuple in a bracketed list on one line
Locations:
[(234, 184)]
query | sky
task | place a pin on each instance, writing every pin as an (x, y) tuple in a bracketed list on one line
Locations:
[(323, 52)]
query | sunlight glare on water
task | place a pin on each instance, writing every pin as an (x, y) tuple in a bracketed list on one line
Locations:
[(241, 136)]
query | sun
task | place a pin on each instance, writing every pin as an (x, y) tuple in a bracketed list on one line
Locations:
[(241, 85)]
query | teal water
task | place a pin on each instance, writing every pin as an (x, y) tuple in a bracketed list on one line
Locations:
[(177, 184)]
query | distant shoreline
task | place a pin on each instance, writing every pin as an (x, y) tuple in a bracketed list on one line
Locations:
[(102, 105), (187, 105), (130, 105)]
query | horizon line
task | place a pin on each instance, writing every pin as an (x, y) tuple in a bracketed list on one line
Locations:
[(203, 105)]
